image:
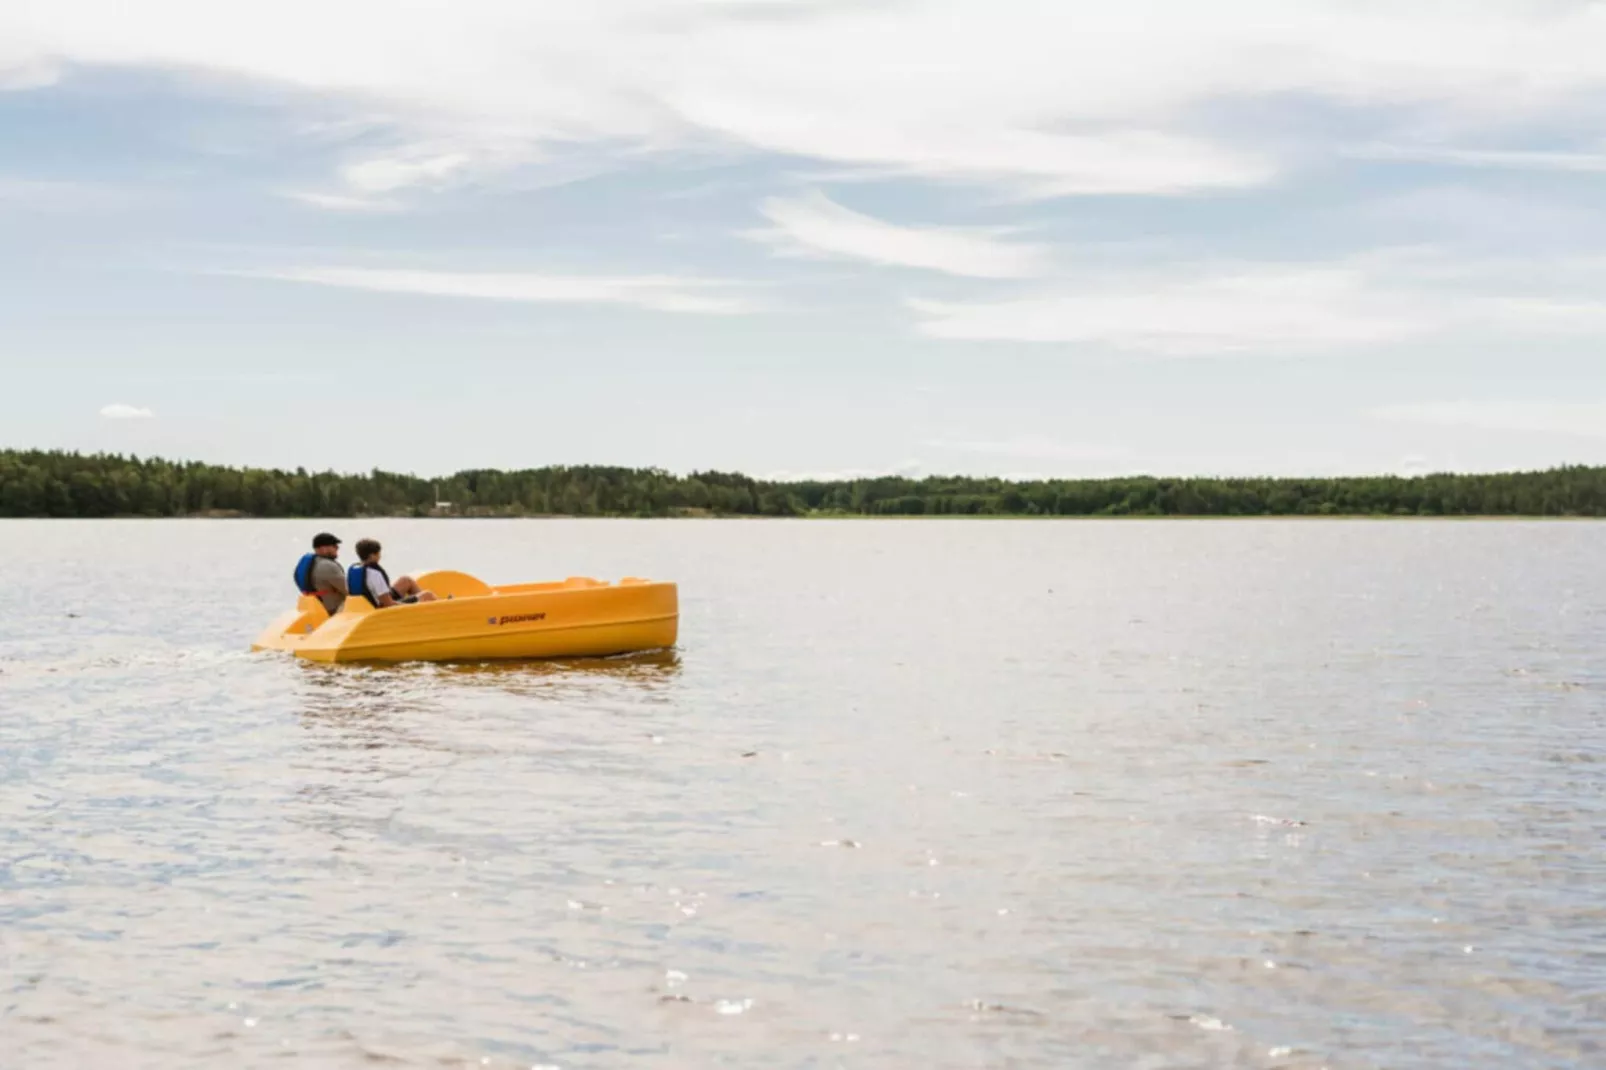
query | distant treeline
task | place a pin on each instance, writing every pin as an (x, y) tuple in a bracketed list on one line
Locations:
[(60, 484)]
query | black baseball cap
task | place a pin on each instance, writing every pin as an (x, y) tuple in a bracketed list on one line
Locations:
[(323, 538)]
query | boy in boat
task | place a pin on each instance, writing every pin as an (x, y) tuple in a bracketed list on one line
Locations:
[(371, 581), (318, 573)]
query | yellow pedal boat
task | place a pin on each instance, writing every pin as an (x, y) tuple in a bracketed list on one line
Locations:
[(469, 621)]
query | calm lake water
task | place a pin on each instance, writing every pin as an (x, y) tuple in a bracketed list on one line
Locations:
[(918, 794)]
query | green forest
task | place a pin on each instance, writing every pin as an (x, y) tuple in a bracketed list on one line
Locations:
[(63, 484)]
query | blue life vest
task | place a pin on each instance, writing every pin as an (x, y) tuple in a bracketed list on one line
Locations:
[(303, 574), (357, 581)]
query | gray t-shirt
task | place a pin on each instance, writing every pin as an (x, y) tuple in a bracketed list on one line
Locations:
[(327, 575)]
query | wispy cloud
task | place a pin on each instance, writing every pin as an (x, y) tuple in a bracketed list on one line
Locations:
[(387, 174), (1581, 419), (1541, 315), (1509, 159), (1254, 309), (120, 411), (1026, 162), (1367, 300), (666, 293), (1048, 98), (815, 225), (339, 202), (24, 68)]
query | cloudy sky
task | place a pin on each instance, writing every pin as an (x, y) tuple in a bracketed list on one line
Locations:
[(1028, 237)]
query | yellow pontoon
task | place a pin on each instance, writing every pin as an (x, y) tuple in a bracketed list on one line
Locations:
[(578, 617)]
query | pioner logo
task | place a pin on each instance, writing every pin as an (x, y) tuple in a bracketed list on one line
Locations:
[(519, 618)]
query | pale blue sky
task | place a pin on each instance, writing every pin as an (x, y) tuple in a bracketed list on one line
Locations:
[(808, 237)]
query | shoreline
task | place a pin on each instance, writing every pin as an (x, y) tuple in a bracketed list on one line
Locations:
[(38, 484)]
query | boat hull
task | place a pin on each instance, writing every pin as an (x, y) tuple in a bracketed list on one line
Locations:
[(469, 621)]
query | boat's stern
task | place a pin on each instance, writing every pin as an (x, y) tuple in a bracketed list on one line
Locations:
[(292, 627), (327, 642)]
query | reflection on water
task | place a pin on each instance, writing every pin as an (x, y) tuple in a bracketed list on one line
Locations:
[(531, 677), (649, 671), (429, 707), (1146, 795)]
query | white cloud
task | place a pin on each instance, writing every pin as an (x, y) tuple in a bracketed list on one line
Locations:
[(660, 293), (1259, 308), (1380, 298), (1044, 96), (1540, 315), (338, 202), (1530, 160), (120, 411), (24, 67), (1580, 419), (816, 225), (1030, 162), (386, 174)]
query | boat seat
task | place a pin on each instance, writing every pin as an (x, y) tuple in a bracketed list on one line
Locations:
[(311, 604), (356, 605), (449, 583)]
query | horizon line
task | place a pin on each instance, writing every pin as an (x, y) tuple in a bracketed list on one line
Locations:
[(774, 480)]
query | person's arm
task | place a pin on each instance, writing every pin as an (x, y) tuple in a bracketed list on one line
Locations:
[(380, 591), (337, 582)]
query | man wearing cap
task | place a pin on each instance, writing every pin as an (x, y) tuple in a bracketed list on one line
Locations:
[(319, 573)]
